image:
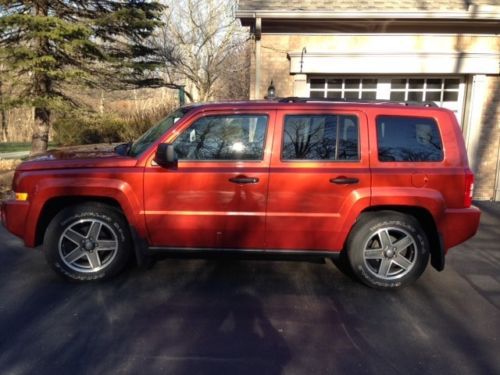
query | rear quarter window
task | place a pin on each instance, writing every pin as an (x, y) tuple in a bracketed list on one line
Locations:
[(408, 139)]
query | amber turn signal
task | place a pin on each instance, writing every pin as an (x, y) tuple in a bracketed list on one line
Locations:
[(21, 196)]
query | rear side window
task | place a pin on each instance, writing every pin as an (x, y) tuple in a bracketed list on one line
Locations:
[(408, 139), (320, 137)]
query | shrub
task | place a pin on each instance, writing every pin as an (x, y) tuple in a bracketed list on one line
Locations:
[(90, 127)]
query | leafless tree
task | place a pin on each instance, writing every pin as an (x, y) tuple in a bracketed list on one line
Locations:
[(200, 44), (3, 110)]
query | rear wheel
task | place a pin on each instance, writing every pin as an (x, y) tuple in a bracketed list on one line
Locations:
[(387, 250), (87, 242)]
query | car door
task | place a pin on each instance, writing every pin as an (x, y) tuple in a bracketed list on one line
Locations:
[(319, 170), (216, 196)]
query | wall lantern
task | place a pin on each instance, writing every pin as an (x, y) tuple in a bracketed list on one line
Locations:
[(271, 92)]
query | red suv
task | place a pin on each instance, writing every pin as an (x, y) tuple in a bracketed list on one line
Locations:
[(386, 184)]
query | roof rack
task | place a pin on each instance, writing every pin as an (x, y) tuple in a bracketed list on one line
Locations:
[(296, 99)]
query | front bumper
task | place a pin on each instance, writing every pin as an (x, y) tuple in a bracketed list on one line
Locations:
[(14, 216)]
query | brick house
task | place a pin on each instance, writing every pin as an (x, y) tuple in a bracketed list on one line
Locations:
[(446, 51)]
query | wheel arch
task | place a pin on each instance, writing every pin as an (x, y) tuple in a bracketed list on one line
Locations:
[(54, 205), (426, 220)]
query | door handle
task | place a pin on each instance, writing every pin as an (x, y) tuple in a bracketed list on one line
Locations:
[(244, 180), (344, 180)]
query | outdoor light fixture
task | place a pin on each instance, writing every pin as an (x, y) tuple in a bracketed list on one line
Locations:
[(271, 91)]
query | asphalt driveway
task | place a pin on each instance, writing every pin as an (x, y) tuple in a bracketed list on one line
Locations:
[(240, 316)]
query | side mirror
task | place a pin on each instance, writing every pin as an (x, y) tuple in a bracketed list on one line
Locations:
[(165, 155)]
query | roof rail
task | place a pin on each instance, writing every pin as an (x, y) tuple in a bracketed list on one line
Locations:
[(296, 99)]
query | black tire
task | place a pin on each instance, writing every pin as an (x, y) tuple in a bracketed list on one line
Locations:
[(73, 252), (377, 258)]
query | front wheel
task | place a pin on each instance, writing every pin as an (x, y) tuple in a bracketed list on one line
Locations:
[(87, 242), (387, 250)]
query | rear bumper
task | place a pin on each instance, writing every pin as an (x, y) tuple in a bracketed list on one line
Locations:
[(14, 216), (459, 225)]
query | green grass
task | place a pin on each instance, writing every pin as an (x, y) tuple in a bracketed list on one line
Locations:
[(19, 146)]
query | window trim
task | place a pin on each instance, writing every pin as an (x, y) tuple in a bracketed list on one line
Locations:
[(358, 160), (226, 161), (436, 122)]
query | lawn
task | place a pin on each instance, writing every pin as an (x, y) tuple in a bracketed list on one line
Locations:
[(19, 146)]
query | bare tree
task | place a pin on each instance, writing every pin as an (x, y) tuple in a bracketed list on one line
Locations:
[(3, 117), (200, 43), (3, 111)]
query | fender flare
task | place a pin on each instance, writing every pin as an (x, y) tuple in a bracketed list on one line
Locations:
[(107, 188)]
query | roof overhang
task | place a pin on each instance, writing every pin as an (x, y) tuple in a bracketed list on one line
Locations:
[(482, 12), (482, 20)]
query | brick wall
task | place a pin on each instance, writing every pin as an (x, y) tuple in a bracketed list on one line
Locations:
[(488, 145), (485, 146), (275, 66)]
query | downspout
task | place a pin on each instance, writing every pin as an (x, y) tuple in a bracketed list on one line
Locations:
[(258, 34), (496, 187)]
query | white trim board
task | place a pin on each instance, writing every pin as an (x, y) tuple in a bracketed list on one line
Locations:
[(394, 63)]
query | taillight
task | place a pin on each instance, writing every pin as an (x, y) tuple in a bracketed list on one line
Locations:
[(469, 187)]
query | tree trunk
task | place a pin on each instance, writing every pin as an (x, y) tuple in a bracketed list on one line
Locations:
[(101, 103), (40, 139), (42, 88), (3, 117)]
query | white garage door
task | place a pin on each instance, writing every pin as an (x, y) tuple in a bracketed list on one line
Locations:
[(447, 92)]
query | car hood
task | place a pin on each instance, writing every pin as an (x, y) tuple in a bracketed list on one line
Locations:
[(77, 152), (87, 156)]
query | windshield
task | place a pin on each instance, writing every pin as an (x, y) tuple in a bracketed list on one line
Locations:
[(155, 132)]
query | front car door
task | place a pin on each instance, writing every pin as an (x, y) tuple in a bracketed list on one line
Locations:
[(319, 170), (216, 197)]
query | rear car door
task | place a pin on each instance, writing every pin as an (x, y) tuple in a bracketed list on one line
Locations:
[(216, 197), (319, 170)]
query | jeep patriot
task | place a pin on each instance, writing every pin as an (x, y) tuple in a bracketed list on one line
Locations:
[(385, 186)]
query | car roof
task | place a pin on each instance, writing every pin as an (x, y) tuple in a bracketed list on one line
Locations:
[(305, 103)]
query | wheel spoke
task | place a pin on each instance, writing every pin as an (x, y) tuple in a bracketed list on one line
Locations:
[(385, 266), (374, 254), (385, 240), (106, 245), (402, 262), (95, 230), (74, 255), (94, 259), (403, 243), (74, 236)]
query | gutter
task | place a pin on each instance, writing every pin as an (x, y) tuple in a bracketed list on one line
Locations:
[(474, 13)]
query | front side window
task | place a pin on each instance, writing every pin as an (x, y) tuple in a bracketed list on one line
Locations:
[(320, 137), (227, 137), (408, 139)]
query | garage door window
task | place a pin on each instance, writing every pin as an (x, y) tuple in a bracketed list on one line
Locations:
[(420, 90), (447, 92), (348, 88)]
